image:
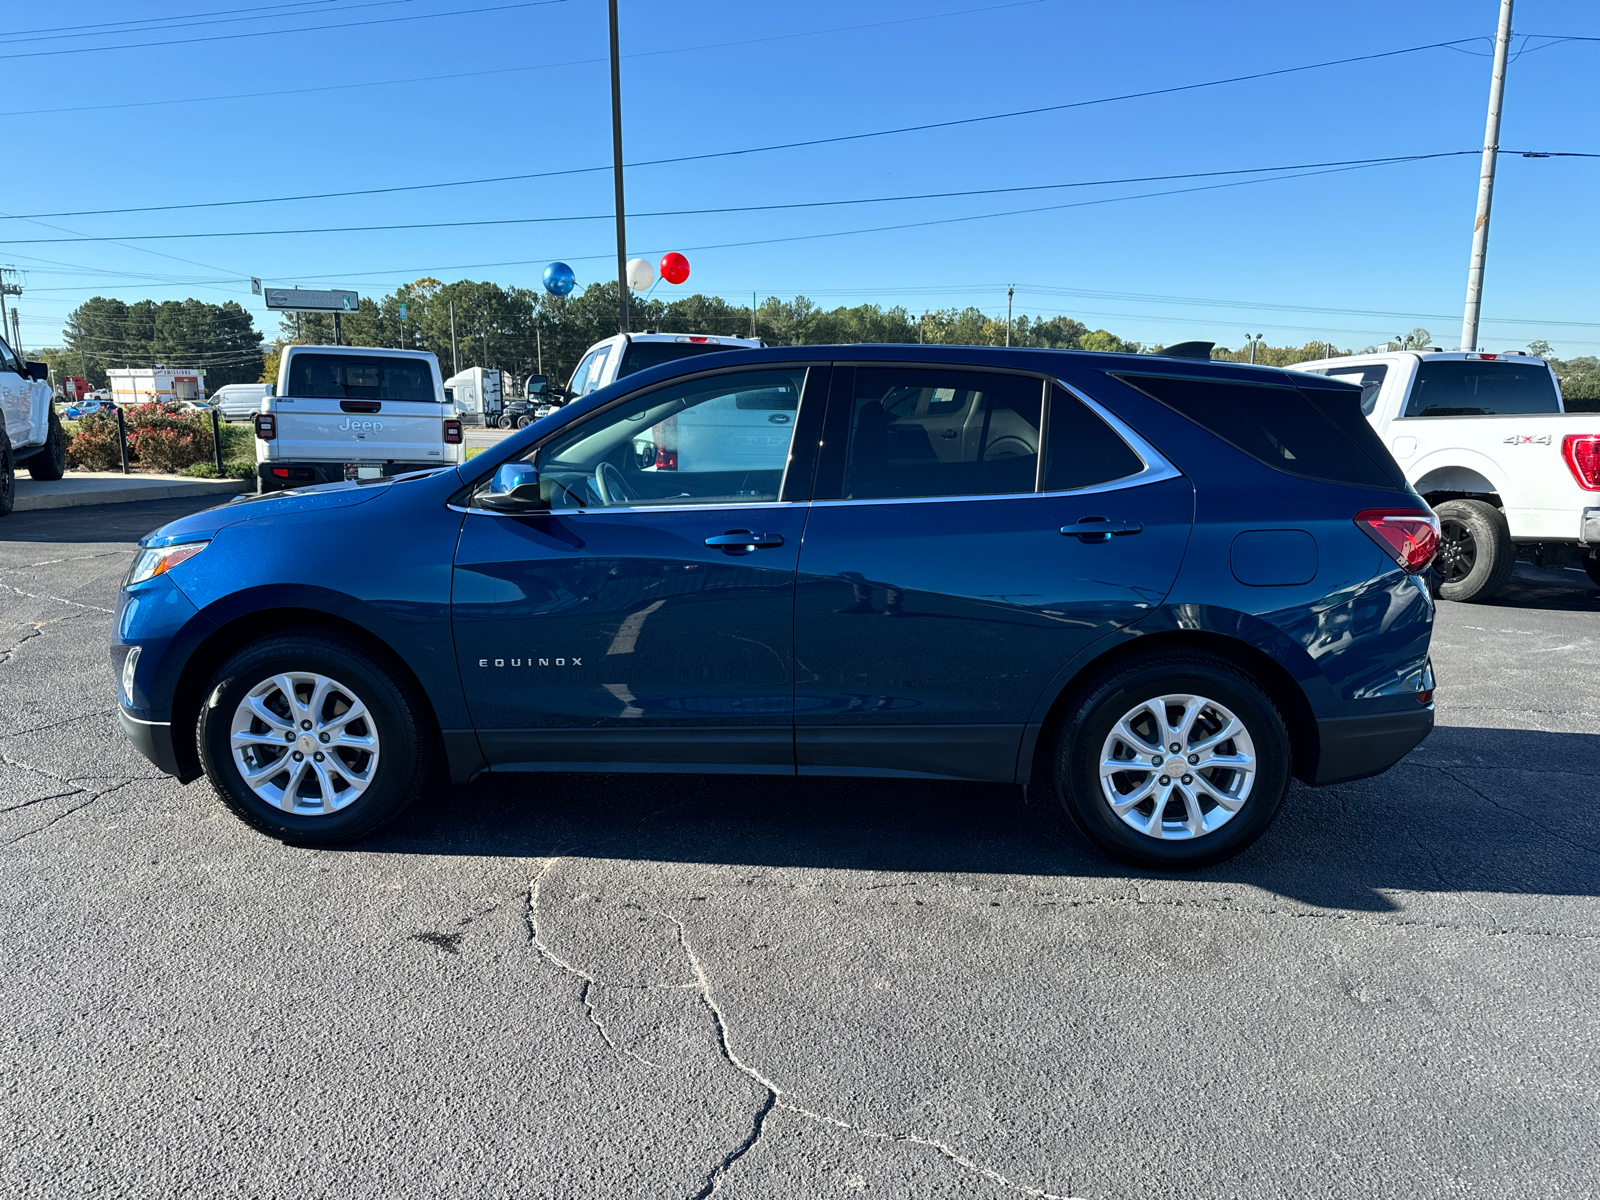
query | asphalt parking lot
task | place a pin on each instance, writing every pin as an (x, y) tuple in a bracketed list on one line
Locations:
[(627, 986)]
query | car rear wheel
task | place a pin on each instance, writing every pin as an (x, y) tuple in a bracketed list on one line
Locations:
[(1476, 553), (50, 463), (1173, 763), (308, 738)]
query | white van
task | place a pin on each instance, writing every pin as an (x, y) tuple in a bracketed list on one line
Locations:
[(240, 401)]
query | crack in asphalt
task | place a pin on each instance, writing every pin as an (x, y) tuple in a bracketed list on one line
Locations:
[(65, 813), (36, 629), (58, 599), (99, 712), (1537, 824), (50, 562)]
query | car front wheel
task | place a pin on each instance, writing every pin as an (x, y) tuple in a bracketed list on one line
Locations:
[(1173, 762), (308, 738)]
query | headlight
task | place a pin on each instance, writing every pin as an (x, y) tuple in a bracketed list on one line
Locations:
[(158, 560)]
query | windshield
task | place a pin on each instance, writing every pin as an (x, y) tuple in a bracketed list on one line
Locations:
[(642, 355), (360, 377), (1473, 388)]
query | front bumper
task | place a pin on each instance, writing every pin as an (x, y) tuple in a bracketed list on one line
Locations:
[(1356, 747), (153, 739)]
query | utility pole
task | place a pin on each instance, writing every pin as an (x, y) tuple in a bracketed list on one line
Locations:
[(616, 169), (538, 343), (752, 314), (1491, 152), (1009, 291), (455, 358), (16, 332), (486, 348), (8, 288)]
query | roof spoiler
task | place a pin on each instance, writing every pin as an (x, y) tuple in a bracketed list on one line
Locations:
[(1188, 350)]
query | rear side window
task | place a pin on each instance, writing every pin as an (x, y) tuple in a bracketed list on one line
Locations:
[(359, 377), (1467, 388), (1368, 378), (1278, 426), (916, 432), (641, 355), (1081, 450)]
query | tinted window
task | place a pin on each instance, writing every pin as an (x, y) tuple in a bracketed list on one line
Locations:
[(1275, 425), (720, 439), (1368, 378), (640, 355), (360, 377), (1081, 449), (1463, 388), (941, 433)]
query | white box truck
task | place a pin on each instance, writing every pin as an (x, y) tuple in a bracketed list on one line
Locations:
[(477, 395)]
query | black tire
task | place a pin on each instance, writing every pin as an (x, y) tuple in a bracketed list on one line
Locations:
[(524, 421), (505, 422), (1083, 736), (404, 733), (1591, 566), (1476, 554), (8, 476), (50, 463)]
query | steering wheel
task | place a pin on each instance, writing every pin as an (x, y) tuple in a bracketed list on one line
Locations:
[(612, 485)]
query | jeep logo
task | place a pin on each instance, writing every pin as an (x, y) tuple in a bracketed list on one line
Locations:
[(361, 426)]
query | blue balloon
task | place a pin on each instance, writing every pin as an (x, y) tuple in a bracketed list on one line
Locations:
[(559, 279)]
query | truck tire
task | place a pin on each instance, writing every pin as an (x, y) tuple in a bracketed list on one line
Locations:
[(8, 476), (1476, 553), (50, 463)]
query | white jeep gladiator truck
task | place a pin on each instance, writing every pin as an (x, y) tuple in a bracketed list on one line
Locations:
[(30, 430), (1485, 440), (354, 412)]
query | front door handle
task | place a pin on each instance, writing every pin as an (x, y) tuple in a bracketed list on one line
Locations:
[(742, 541), (1100, 529)]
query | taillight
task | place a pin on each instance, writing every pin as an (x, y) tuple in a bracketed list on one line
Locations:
[(266, 426), (1409, 537), (452, 432), (1582, 452)]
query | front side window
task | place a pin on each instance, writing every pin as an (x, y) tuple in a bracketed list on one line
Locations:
[(597, 370), (581, 375), (359, 377), (719, 439), (8, 360), (1471, 388), (930, 432)]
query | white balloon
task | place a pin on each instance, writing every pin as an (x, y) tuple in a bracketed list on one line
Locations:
[(640, 274)]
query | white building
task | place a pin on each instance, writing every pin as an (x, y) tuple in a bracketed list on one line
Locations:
[(141, 385)]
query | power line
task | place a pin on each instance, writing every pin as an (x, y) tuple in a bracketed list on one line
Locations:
[(753, 208), (574, 62), (849, 137), (163, 24), (229, 37)]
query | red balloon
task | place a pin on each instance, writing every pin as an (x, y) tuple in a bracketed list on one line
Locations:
[(674, 267)]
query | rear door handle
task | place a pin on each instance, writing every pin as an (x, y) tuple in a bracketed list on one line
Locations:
[(742, 541), (1100, 529)]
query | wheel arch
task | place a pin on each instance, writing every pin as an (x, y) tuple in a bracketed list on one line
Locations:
[(189, 691), (1459, 480), (1285, 691)]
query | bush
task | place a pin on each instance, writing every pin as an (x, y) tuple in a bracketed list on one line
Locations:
[(92, 445), (166, 438)]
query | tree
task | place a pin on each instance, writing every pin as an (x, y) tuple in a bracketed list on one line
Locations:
[(1540, 348), (219, 338)]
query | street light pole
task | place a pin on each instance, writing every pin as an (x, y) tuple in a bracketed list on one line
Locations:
[(616, 170), (1009, 292), (1491, 152), (1253, 343)]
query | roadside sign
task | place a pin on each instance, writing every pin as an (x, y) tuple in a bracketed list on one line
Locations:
[(255, 286), (304, 300), (402, 312)]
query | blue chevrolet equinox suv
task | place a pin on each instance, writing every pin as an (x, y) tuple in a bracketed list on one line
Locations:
[(1153, 588)]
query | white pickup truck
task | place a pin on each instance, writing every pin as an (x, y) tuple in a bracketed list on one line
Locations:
[(30, 431), (1485, 440), (354, 412)]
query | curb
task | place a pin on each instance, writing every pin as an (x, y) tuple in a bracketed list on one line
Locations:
[(70, 493)]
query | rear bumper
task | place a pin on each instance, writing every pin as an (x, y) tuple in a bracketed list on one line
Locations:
[(1356, 747), (278, 473), (153, 739)]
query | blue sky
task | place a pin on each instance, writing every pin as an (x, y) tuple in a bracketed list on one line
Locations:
[(524, 89)]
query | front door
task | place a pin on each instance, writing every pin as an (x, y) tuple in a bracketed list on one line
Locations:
[(646, 621), (938, 593)]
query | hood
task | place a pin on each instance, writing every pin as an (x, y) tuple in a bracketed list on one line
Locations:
[(203, 525)]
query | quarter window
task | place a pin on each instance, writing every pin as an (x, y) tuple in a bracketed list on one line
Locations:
[(1082, 450), (720, 439), (919, 433)]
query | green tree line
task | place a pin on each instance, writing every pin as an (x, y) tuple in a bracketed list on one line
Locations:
[(100, 333)]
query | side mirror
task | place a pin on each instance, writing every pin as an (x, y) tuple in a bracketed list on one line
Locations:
[(538, 385), (514, 488), (272, 389), (38, 371)]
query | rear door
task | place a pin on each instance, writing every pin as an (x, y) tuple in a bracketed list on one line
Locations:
[(354, 407), (948, 574)]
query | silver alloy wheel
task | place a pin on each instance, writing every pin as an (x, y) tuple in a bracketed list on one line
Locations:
[(1177, 767), (304, 743)]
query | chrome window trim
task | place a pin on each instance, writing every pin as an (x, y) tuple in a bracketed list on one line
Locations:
[(632, 508), (1156, 466)]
